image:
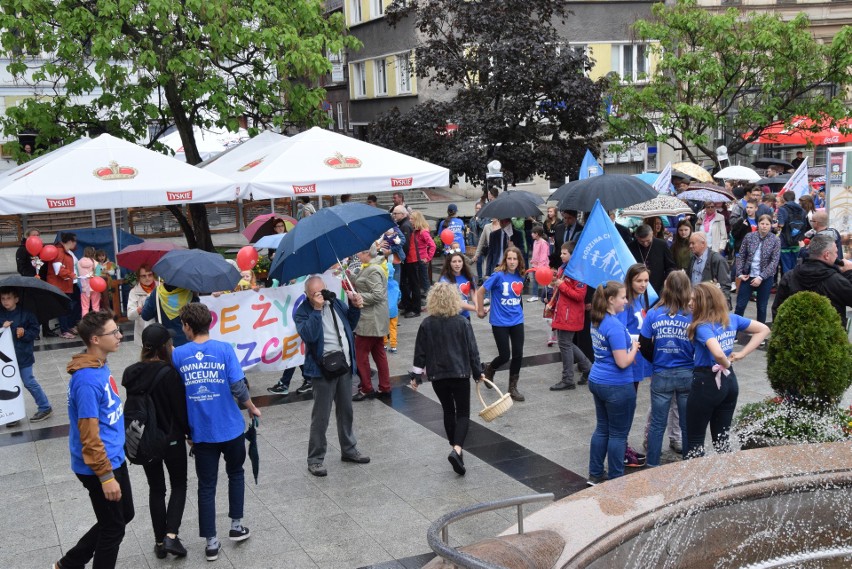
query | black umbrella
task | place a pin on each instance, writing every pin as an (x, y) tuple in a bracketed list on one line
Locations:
[(254, 456), (768, 161), (512, 203), (36, 296), (613, 190), (197, 270), (779, 181)]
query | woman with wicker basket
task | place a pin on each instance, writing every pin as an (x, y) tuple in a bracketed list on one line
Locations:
[(611, 382), (445, 350)]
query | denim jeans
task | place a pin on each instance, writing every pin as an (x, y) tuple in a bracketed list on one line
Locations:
[(710, 405), (34, 388), (207, 470), (762, 298), (614, 408), (788, 260), (667, 385)]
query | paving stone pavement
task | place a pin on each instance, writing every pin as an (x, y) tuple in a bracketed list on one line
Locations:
[(359, 515)]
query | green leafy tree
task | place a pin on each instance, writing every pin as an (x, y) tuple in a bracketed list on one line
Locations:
[(732, 71), (122, 66), (809, 356), (519, 93)]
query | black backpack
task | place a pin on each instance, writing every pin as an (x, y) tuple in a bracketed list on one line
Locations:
[(144, 440), (794, 229)]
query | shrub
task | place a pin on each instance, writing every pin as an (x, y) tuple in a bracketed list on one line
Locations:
[(809, 356)]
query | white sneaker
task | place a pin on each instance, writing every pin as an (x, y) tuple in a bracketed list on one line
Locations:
[(733, 287), (532, 299)]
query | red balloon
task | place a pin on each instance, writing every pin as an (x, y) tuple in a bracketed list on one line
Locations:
[(447, 236), (34, 245), (807, 242), (544, 276), (465, 288), (48, 253), (98, 284), (247, 258)]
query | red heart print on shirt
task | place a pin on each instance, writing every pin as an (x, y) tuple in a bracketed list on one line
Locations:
[(517, 288), (465, 288)]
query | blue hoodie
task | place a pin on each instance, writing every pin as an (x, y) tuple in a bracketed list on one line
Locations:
[(24, 345)]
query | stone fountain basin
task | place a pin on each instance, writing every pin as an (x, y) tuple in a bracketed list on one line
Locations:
[(728, 510)]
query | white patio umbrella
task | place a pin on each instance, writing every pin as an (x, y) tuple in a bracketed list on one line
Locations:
[(107, 173), (743, 173), (320, 162), (210, 142), (660, 205)]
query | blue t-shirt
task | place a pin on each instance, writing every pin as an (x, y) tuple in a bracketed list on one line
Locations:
[(506, 307), (672, 347), (93, 394), (632, 317), (456, 225), (460, 280), (725, 336), (610, 335), (208, 370)]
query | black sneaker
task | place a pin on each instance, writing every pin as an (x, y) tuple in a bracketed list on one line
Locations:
[(279, 389), (241, 534), (41, 416), (160, 551), (306, 387), (212, 553), (174, 546), (13, 424), (584, 379), (595, 480)]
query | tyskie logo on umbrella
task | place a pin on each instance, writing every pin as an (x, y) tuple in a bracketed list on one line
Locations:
[(115, 172), (401, 182), (339, 161), (179, 196), (306, 189), (55, 203)]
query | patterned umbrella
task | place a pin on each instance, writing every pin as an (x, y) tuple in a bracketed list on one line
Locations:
[(693, 170), (660, 205), (712, 188), (700, 195)]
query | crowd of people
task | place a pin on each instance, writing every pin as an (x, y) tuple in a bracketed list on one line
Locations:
[(682, 344)]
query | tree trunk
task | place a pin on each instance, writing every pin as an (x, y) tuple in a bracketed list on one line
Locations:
[(198, 233)]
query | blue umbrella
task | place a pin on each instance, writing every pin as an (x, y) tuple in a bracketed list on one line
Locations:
[(269, 241), (197, 270), (321, 240)]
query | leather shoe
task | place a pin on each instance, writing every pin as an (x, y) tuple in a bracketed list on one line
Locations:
[(361, 396), (317, 470), (49, 334), (562, 385), (411, 315), (457, 462), (584, 379), (357, 458), (382, 394)]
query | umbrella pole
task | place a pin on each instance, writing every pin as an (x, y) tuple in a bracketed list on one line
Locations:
[(157, 301), (115, 250)]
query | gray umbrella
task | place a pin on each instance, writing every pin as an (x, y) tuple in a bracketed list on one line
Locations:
[(512, 203)]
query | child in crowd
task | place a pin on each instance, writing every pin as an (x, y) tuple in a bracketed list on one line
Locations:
[(24, 328), (540, 260), (568, 304), (106, 269), (393, 306), (248, 281), (86, 269)]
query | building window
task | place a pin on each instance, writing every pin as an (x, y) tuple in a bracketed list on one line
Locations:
[(354, 11), (630, 61), (341, 124), (377, 8), (381, 77), (359, 79), (403, 72), (330, 113)]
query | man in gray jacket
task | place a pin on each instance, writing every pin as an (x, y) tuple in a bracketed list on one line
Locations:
[(373, 326), (706, 265)]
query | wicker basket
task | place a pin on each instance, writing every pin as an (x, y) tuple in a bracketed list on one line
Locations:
[(496, 409)]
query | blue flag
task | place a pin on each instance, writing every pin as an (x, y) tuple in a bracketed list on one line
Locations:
[(590, 167), (601, 254)]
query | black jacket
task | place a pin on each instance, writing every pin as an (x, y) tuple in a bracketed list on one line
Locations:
[(446, 347), (559, 240), (169, 396), (24, 261), (658, 258), (816, 276), (494, 248)]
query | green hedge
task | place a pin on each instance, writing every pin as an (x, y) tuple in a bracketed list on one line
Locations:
[(809, 356)]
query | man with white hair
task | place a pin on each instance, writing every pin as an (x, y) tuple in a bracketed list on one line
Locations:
[(819, 224), (706, 265), (325, 325)]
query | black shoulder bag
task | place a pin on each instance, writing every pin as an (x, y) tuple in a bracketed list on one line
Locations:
[(334, 364)]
